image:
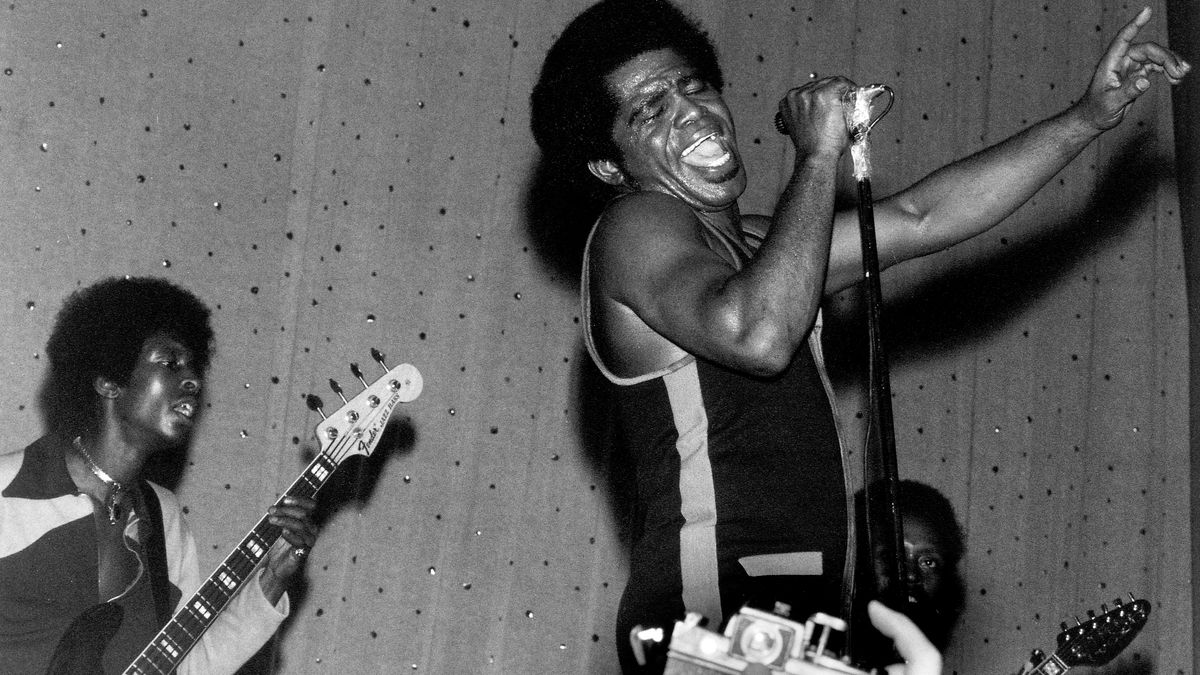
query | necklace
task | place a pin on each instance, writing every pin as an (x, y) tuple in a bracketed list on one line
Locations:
[(116, 490)]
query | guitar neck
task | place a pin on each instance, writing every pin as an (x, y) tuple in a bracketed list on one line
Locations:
[(183, 631), (1051, 666), (353, 429)]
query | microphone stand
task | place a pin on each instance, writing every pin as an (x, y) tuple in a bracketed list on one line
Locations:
[(885, 534), (885, 530), (881, 510)]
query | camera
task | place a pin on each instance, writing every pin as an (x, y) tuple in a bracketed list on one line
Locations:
[(756, 641)]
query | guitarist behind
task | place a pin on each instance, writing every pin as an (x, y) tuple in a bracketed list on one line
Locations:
[(80, 525), (933, 585)]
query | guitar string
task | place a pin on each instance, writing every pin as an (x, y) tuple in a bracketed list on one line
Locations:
[(239, 564), (332, 454), (337, 453), (336, 449)]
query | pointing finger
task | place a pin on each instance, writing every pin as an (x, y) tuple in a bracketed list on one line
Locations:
[(1119, 47)]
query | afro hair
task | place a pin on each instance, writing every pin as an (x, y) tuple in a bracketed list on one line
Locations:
[(99, 332), (572, 106)]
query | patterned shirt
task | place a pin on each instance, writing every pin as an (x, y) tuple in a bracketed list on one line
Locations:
[(49, 573)]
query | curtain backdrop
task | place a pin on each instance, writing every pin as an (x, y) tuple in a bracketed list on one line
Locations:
[(337, 176)]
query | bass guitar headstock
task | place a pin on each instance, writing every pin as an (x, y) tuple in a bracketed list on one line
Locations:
[(356, 427), (1094, 642), (1098, 640)]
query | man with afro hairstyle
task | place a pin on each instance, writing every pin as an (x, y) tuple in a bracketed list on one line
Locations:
[(81, 525), (934, 546), (706, 319)]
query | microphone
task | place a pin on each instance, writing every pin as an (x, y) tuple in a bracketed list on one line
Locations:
[(856, 107)]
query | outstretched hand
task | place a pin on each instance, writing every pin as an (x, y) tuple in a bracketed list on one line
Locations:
[(919, 654), (300, 533), (1124, 73)]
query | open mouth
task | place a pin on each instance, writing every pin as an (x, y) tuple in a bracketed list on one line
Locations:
[(185, 409), (707, 152)]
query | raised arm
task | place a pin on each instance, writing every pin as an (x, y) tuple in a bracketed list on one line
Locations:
[(654, 264), (972, 195), (801, 229), (660, 258)]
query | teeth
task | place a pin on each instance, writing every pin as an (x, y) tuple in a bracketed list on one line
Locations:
[(688, 150), (707, 153), (185, 409)]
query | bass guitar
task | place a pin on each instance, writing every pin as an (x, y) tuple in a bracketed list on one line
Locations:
[(1094, 642), (353, 429)]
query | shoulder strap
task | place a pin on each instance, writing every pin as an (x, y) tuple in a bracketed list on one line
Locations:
[(156, 554)]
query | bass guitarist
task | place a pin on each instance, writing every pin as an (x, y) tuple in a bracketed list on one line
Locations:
[(80, 525)]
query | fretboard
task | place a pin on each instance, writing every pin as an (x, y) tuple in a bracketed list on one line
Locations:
[(1051, 666), (183, 631)]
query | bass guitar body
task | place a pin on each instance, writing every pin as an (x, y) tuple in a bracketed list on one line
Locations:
[(82, 645)]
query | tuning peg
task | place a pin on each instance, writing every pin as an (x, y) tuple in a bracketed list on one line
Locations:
[(372, 400), (1063, 625), (337, 389), (314, 403), (358, 374), (351, 415), (1091, 614), (1103, 608), (1131, 598), (378, 356), (1117, 601), (1077, 621), (1037, 656)]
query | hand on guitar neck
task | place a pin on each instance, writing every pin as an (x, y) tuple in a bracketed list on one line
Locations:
[(294, 515), (352, 430)]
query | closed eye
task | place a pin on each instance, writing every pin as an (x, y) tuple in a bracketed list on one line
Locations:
[(693, 85), (649, 109)]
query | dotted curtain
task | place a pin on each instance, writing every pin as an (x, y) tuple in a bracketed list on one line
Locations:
[(333, 177)]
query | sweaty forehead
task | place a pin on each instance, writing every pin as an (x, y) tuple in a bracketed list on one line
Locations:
[(161, 341), (647, 73), (921, 533)]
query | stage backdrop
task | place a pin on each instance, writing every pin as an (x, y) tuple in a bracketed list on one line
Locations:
[(337, 176)]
